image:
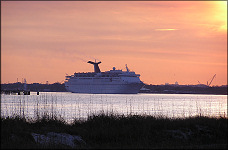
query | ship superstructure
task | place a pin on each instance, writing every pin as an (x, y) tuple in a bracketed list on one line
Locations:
[(108, 82)]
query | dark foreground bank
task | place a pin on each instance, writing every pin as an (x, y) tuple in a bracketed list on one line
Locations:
[(115, 131)]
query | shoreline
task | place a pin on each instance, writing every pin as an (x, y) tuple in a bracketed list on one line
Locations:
[(153, 89)]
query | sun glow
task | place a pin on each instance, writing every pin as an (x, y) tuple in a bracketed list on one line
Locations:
[(222, 15), (223, 4)]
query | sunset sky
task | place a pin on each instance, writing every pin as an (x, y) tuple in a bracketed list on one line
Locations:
[(164, 41)]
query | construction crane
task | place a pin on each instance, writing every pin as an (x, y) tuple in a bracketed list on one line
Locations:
[(211, 80)]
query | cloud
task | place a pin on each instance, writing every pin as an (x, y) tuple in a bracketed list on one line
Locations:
[(165, 29)]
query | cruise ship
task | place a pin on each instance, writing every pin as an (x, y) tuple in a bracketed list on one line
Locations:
[(108, 82)]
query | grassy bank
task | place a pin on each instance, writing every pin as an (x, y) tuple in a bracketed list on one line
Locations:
[(119, 131)]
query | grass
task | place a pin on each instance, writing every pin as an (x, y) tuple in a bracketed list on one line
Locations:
[(108, 131)]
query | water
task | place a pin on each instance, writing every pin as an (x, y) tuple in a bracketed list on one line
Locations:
[(71, 105)]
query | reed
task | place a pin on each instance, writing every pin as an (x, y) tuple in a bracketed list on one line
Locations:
[(109, 130)]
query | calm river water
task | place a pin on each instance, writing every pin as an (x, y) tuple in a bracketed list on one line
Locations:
[(71, 105)]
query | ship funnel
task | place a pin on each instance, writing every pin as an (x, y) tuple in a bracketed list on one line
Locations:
[(96, 67), (127, 68)]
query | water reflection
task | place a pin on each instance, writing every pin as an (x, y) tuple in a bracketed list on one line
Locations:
[(72, 105)]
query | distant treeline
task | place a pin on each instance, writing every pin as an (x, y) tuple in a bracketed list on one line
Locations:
[(185, 89), (163, 89), (36, 87)]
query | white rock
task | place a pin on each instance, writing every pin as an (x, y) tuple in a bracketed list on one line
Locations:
[(58, 138)]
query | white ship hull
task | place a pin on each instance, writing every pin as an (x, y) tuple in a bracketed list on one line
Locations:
[(130, 88)]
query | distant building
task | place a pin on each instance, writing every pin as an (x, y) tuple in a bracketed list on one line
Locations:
[(35, 83), (201, 85), (143, 89)]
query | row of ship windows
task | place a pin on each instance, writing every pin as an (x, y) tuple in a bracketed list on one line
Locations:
[(95, 78)]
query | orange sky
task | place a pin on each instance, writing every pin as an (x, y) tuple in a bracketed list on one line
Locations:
[(164, 41)]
